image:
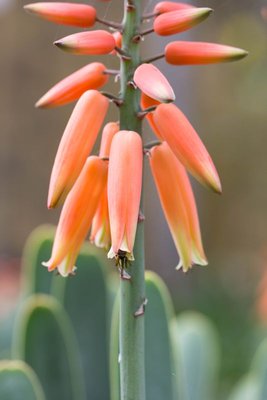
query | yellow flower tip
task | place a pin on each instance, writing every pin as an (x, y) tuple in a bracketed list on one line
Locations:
[(238, 54)]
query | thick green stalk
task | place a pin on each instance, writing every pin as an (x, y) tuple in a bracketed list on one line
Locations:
[(132, 291)]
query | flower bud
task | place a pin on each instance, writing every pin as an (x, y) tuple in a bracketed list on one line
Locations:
[(167, 6)]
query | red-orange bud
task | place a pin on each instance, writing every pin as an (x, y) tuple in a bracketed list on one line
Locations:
[(92, 42), (124, 191), (167, 6), (73, 86), (74, 14), (185, 143), (76, 144), (190, 53), (179, 21)]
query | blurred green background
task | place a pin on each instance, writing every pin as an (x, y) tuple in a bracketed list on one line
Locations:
[(226, 104)]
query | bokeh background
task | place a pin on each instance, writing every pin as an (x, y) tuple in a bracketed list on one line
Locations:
[(226, 104)]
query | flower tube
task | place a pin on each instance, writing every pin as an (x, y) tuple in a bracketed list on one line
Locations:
[(147, 102), (124, 191), (74, 14), (76, 144), (175, 193), (100, 231), (185, 143), (77, 214), (73, 86)]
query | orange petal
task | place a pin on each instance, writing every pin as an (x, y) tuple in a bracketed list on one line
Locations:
[(76, 144), (118, 40), (77, 214), (73, 86), (175, 128), (172, 202), (100, 231), (74, 14), (153, 83), (147, 102), (124, 190), (179, 21), (107, 135), (167, 6), (190, 53), (92, 42), (183, 184)]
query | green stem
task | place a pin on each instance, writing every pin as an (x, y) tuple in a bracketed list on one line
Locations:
[(132, 292)]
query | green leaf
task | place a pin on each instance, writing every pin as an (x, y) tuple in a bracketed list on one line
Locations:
[(19, 382), (38, 248), (259, 369), (85, 298), (197, 356), (114, 371), (44, 338), (158, 353)]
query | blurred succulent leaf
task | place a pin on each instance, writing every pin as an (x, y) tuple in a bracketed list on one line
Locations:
[(18, 381), (114, 371), (85, 299), (44, 338), (197, 356), (158, 354), (259, 369), (246, 389), (38, 248)]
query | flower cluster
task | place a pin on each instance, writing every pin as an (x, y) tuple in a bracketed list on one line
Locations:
[(103, 192)]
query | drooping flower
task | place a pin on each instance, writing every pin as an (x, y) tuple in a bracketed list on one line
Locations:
[(178, 21), (191, 53), (124, 191), (73, 86), (76, 144), (87, 43), (167, 6), (77, 214), (153, 83), (183, 140), (178, 203), (100, 231), (74, 14)]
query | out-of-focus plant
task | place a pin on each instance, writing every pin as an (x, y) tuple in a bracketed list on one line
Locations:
[(105, 191)]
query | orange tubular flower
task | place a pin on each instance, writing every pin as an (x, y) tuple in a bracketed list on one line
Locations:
[(92, 42), (179, 21), (100, 232), (167, 6), (192, 53), (118, 40), (81, 15), (76, 144), (124, 191), (178, 204), (76, 216), (73, 86), (147, 102), (153, 83), (175, 128)]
